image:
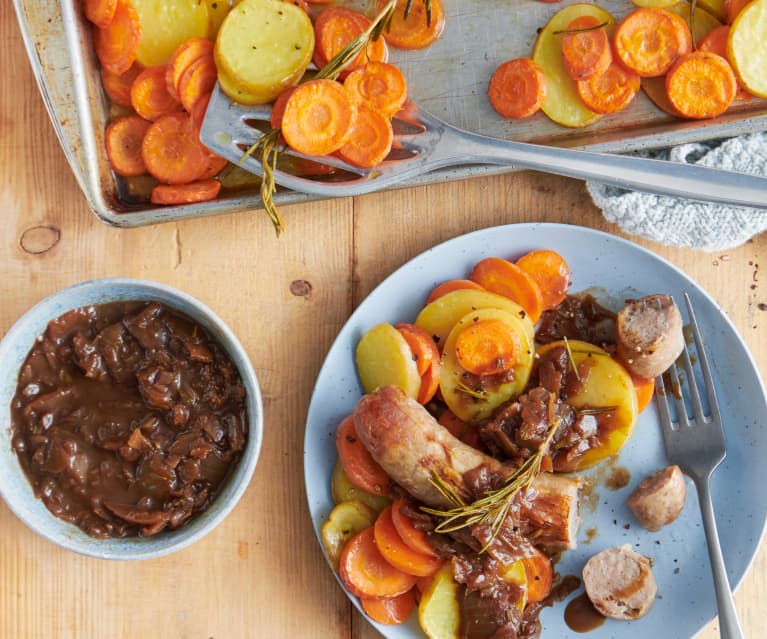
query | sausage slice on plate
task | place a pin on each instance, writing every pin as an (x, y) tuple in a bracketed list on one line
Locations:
[(658, 500), (620, 584), (649, 335)]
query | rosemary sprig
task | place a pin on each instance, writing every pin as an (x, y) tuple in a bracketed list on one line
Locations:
[(269, 147), (581, 30), (464, 388), (428, 10), (494, 506), (572, 361), (595, 410)]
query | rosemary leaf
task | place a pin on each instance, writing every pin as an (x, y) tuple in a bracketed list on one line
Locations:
[(269, 149), (477, 394), (581, 30), (595, 410), (572, 361)]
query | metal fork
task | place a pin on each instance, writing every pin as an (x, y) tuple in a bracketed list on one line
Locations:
[(697, 446)]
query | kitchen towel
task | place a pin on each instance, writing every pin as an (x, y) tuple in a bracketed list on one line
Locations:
[(687, 223)]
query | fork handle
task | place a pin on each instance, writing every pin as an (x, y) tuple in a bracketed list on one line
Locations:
[(729, 626)]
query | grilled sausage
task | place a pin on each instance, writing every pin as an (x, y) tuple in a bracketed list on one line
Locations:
[(411, 446), (658, 499), (620, 584), (649, 335)]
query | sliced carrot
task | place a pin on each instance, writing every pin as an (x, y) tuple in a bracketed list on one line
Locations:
[(100, 12), (123, 139), (415, 31), (117, 87), (424, 349), (117, 43), (644, 391), (732, 9), (319, 117), (363, 471), (371, 139), (429, 383), (701, 85), (278, 108), (197, 113), (586, 49), (540, 575), (551, 272), (648, 41), (149, 94), (171, 150), (364, 571), (504, 278), (487, 347), (186, 53), (198, 80), (389, 610), (715, 41), (214, 165), (449, 286), (398, 553), (517, 88), (611, 91), (413, 537), (378, 85), (200, 191), (336, 27)]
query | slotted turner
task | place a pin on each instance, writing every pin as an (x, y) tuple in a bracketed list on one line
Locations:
[(424, 143)]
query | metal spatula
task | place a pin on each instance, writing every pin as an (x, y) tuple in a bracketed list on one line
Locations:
[(424, 143)]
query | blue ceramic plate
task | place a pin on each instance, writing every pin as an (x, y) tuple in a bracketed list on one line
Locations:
[(614, 269)]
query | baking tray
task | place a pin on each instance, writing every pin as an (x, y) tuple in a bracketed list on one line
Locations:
[(449, 79)]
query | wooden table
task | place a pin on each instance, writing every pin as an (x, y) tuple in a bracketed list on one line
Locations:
[(261, 573)]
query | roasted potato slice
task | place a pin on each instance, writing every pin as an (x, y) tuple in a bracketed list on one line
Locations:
[(384, 358), (439, 613), (345, 520), (165, 24)]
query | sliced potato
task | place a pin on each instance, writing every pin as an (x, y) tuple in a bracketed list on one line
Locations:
[(455, 381), (702, 22), (439, 317), (218, 10), (439, 613), (747, 48), (714, 7), (165, 24), (345, 520), (342, 490), (384, 358), (605, 384), (655, 88), (562, 103), (262, 47)]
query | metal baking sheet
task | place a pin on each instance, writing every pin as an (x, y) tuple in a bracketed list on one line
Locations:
[(449, 79)]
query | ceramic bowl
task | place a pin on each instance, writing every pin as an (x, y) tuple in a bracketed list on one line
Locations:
[(16, 489)]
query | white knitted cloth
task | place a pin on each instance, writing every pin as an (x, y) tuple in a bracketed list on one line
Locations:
[(679, 222)]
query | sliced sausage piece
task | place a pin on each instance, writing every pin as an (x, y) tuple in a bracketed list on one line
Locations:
[(411, 446), (659, 498), (620, 584), (649, 335)]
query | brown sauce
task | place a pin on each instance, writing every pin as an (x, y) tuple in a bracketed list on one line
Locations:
[(619, 478), (581, 616), (127, 418)]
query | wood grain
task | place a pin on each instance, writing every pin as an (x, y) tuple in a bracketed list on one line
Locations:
[(261, 573)]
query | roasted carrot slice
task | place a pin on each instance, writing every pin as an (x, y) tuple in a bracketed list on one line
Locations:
[(550, 270), (429, 383), (732, 8), (364, 571), (450, 286), (487, 347), (100, 12), (715, 41), (644, 389), (389, 610), (371, 139), (187, 52), (701, 85), (517, 88), (278, 108), (214, 164), (648, 41), (378, 85), (398, 553), (363, 471), (336, 27), (504, 278), (540, 575), (117, 43), (414, 31), (414, 537), (611, 91), (424, 349), (171, 150), (201, 191), (586, 49), (197, 113), (149, 94), (319, 117), (198, 80), (123, 139), (117, 87)]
